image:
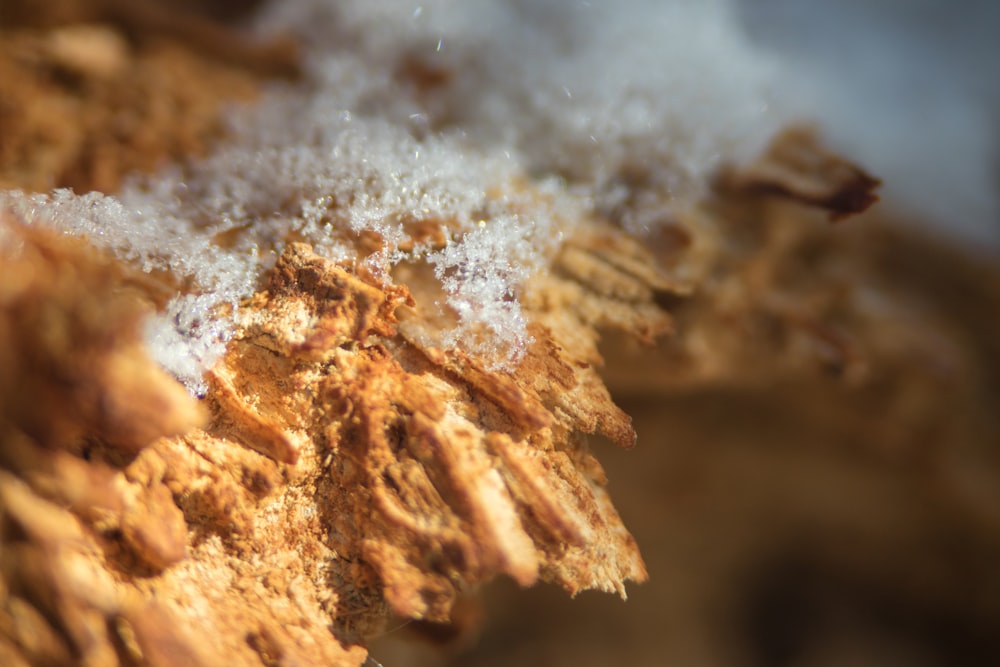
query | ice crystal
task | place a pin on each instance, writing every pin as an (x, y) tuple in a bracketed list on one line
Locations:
[(437, 113)]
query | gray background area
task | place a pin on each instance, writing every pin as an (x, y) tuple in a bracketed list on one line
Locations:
[(910, 87)]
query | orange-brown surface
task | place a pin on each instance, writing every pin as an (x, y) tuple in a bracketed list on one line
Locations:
[(815, 480)]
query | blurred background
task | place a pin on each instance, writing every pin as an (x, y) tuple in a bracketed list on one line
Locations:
[(911, 88)]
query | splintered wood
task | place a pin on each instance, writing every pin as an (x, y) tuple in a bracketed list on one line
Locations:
[(341, 470), (348, 472), (417, 463)]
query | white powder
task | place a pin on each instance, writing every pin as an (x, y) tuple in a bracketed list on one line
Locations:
[(590, 102), (603, 94)]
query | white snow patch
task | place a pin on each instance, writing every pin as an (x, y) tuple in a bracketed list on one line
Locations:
[(590, 102)]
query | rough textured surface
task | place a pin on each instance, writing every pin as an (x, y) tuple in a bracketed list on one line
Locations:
[(457, 473), (342, 472), (393, 476), (349, 471)]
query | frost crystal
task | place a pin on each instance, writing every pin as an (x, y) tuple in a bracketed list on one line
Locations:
[(590, 103)]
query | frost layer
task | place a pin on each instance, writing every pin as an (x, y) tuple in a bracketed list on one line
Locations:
[(435, 115)]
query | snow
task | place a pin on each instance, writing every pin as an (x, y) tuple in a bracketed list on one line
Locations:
[(586, 103)]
